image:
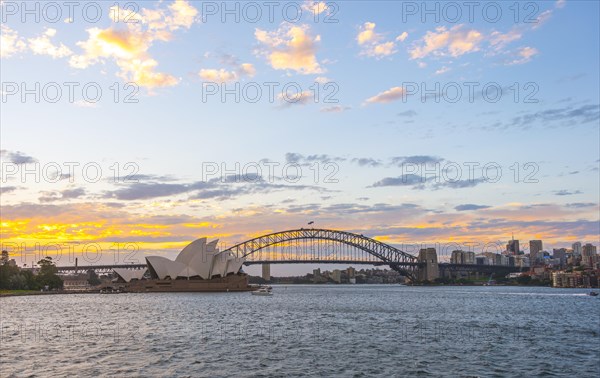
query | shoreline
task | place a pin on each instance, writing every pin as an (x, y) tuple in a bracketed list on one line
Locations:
[(8, 293)]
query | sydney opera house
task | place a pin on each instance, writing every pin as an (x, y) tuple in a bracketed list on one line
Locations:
[(200, 266)]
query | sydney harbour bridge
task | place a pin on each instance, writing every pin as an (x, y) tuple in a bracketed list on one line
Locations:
[(323, 246)]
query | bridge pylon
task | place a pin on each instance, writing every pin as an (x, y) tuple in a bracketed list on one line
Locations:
[(428, 265)]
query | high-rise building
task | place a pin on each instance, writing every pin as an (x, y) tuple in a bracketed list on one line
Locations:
[(588, 251), (469, 258), (535, 247), (513, 247), (457, 257), (576, 249), (560, 254)]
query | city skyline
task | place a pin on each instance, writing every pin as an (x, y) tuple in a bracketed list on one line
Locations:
[(376, 142)]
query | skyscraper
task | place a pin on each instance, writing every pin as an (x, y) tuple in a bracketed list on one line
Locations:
[(587, 252), (513, 246), (576, 248), (560, 254), (535, 247)]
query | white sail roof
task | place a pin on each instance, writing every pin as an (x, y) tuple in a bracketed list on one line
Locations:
[(129, 274), (198, 258)]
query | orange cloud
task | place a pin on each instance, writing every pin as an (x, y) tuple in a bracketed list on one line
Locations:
[(372, 43), (443, 41), (385, 97), (290, 48), (129, 47)]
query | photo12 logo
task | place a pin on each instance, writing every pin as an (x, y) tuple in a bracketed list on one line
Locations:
[(470, 91), (271, 92), (270, 172), (71, 171), (454, 12), (84, 94), (252, 12)]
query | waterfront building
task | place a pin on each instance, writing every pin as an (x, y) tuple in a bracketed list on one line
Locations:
[(351, 272), (336, 276), (572, 279), (469, 258), (513, 247), (128, 275), (521, 261), (587, 254), (457, 257), (481, 260), (199, 260), (560, 254), (75, 283), (535, 247)]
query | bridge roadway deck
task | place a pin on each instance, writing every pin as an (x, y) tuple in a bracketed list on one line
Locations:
[(442, 266)]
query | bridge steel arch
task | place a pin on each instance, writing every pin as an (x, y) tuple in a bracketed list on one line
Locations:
[(398, 260)]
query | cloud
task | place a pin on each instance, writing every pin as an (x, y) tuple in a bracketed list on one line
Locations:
[(407, 113), (499, 40), (523, 55), (8, 189), (392, 94), (315, 7), (458, 184), (580, 205), (565, 192), (416, 159), (294, 157), (216, 188), (442, 42), (62, 195), (129, 47), (442, 70), (542, 19), (10, 42), (416, 181), (367, 162), (567, 115), (335, 109), (373, 44), (404, 180), (17, 157), (223, 76), (291, 47), (42, 45), (470, 206), (301, 98), (141, 191)]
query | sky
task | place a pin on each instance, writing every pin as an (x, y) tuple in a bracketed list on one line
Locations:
[(134, 128)]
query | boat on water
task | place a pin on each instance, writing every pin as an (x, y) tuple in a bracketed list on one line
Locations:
[(111, 290), (593, 293), (265, 291)]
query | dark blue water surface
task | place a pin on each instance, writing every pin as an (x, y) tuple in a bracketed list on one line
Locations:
[(349, 331)]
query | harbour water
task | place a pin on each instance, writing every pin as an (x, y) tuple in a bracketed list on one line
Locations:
[(327, 330)]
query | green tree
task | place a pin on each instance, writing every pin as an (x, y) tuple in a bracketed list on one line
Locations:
[(47, 275)]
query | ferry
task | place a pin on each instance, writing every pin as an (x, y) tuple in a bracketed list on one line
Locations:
[(265, 291)]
